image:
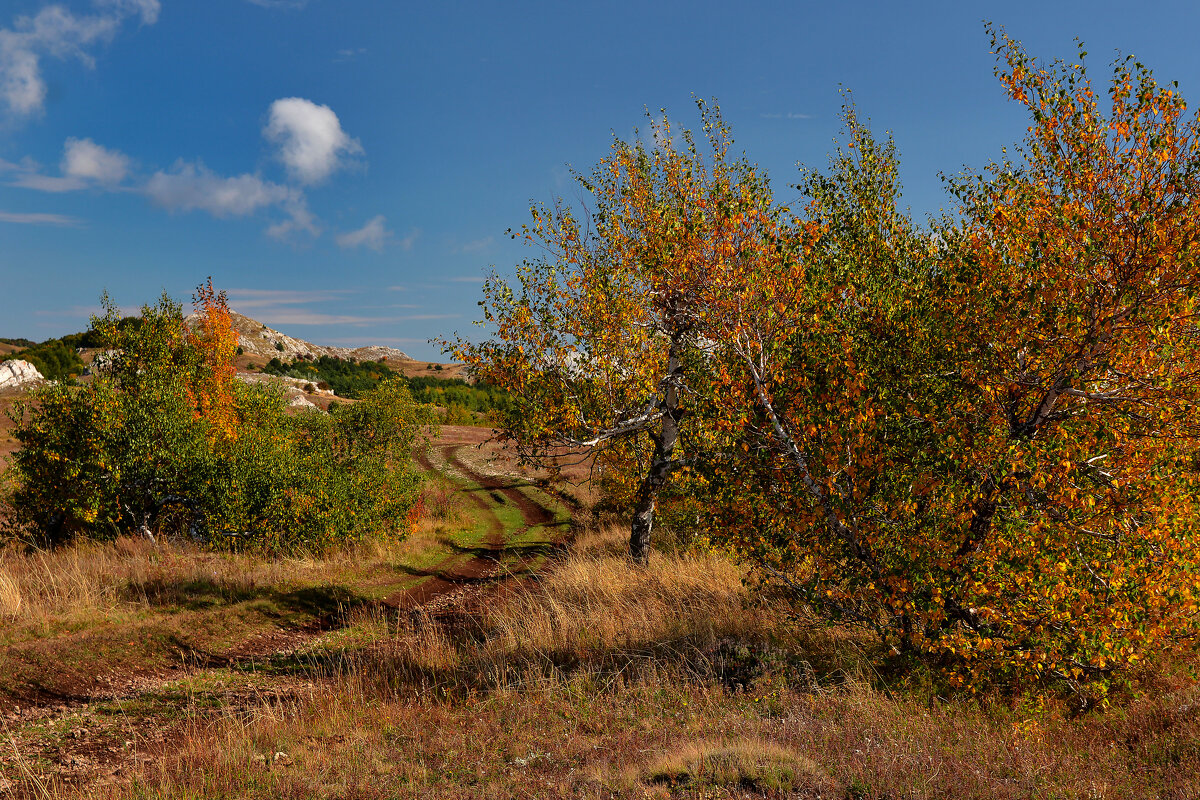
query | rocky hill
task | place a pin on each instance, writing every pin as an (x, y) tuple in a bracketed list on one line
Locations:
[(256, 338), (261, 343)]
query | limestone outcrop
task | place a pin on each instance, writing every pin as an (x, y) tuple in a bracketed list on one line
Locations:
[(16, 373)]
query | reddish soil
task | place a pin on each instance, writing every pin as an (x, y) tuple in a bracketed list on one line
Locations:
[(8, 444)]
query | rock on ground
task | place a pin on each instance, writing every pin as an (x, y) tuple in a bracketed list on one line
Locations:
[(16, 373)]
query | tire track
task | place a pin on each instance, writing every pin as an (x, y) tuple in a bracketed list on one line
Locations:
[(86, 757)]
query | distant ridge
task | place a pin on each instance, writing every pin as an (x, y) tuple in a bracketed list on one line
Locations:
[(256, 338)]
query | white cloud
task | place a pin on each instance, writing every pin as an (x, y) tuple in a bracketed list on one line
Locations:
[(83, 158), (274, 298), (373, 235), (38, 219), (47, 183), (148, 9), (299, 219), (192, 187), (84, 163), (54, 31), (310, 138), (781, 115), (349, 53), (476, 246), (300, 316)]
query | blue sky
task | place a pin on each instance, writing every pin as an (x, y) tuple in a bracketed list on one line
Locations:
[(347, 169)]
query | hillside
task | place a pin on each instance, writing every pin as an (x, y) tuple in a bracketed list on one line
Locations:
[(260, 343)]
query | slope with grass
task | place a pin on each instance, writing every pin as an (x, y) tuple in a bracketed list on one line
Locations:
[(95, 628), (593, 678)]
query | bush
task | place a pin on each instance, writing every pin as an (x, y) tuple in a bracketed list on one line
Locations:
[(167, 442), (53, 358)]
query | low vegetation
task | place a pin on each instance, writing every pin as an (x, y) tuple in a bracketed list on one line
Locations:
[(165, 441), (459, 402), (706, 693), (53, 358), (346, 377)]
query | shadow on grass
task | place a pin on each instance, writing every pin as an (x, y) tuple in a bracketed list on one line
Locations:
[(203, 594), (499, 487)]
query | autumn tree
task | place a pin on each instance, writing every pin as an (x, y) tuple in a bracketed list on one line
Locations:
[(981, 440), (830, 368), (602, 341)]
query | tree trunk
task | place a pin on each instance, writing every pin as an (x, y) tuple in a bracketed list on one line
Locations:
[(660, 465)]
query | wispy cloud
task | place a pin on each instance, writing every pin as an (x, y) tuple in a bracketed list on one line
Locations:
[(57, 32), (273, 298), (286, 306), (47, 183), (86, 312), (194, 187), (19, 218), (476, 246), (301, 316), (349, 54), (278, 3), (84, 164), (374, 235), (191, 187), (784, 115), (377, 340)]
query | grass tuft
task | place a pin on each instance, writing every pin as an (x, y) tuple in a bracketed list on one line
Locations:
[(750, 764), (10, 596)]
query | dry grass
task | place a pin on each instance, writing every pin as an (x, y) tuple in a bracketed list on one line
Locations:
[(595, 602), (752, 764), (91, 582), (10, 597), (539, 693), (592, 613), (605, 680)]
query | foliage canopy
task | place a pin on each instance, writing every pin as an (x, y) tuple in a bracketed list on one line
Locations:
[(980, 439)]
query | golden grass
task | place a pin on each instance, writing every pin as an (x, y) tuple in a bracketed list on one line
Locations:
[(87, 582), (590, 681), (10, 596), (530, 693), (750, 763), (595, 601)]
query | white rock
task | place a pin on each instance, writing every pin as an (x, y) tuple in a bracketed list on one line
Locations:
[(300, 401), (16, 373), (294, 383)]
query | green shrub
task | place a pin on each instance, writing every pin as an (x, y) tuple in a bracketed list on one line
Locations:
[(163, 444)]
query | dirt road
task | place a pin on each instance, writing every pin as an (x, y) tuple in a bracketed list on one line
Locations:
[(97, 728)]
